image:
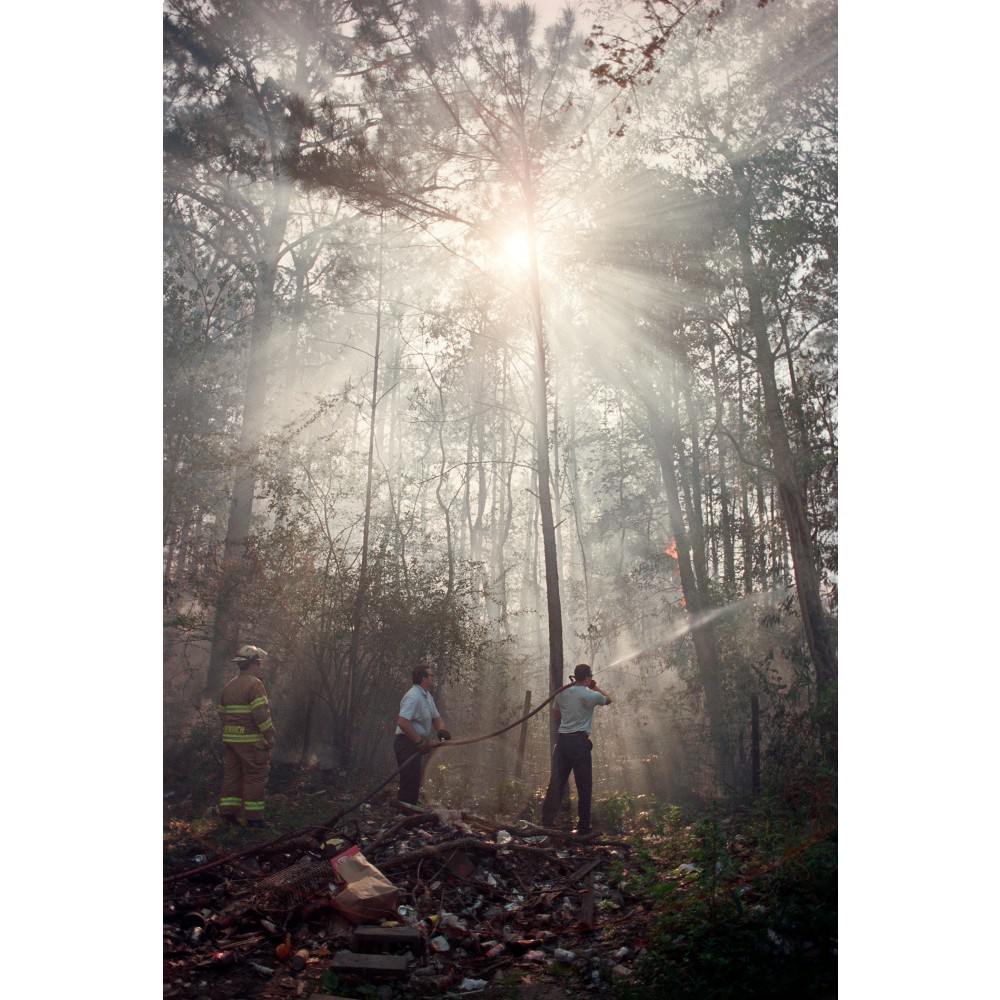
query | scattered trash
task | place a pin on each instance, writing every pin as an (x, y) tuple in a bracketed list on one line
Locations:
[(366, 894), (439, 898), (459, 863), (448, 921)]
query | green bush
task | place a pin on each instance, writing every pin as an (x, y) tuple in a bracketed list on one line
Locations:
[(192, 754), (744, 905), (621, 812)]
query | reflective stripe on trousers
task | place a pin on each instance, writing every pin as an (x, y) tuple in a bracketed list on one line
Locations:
[(244, 778)]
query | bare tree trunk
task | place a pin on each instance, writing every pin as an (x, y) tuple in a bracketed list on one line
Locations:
[(553, 604), (344, 730), (746, 532), (503, 505), (703, 636), (477, 453), (574, 486), (725, 514)]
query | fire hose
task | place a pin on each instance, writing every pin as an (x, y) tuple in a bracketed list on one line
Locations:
[(329, 824)]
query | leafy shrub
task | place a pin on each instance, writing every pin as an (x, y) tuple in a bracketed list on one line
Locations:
[(192, 753), (744, 905), (621, 812)]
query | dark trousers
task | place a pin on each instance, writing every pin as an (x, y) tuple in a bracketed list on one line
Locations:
[(572, 755), (409, 777)]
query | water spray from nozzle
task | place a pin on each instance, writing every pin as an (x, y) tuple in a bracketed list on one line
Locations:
[(694, 621)]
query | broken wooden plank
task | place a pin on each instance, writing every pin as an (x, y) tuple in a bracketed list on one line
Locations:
[(587, 903), (367, 938), (387, 965), (586, 868)]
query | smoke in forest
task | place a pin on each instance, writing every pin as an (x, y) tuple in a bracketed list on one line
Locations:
[(386, 239)]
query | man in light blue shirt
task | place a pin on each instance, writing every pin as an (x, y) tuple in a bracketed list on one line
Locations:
[(418, 719), (574, 707)]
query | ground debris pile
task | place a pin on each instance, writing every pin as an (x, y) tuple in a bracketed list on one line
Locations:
[(421, 903)]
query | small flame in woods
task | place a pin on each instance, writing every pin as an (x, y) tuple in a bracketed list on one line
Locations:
[(671, 550)]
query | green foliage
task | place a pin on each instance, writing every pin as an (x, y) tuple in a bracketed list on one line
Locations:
[(744, 906), (510, 986), (192, 754), (506, 797), (297, 595), (621, 812)]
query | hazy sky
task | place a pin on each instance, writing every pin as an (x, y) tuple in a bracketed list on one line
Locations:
[(548, 10)]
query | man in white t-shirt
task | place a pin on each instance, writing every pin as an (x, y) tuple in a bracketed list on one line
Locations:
[(574, 707)]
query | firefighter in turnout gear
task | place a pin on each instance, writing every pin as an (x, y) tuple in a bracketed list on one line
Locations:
[(248, 737)]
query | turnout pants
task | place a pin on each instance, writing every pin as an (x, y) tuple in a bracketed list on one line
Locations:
[(572, 755), (244, 777)]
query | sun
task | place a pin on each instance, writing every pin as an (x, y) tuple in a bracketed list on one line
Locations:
[(516, 246)]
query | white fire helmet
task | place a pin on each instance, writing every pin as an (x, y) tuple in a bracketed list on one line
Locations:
[(249, 653)]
